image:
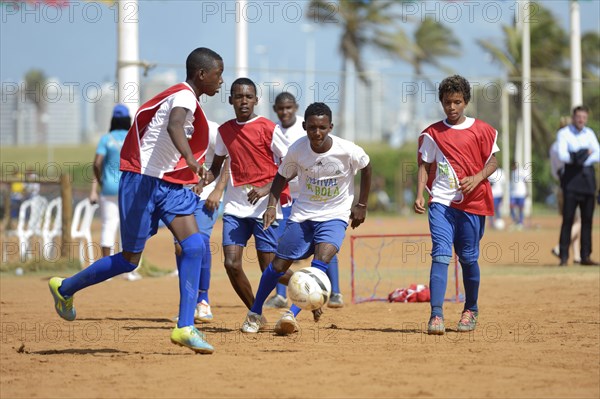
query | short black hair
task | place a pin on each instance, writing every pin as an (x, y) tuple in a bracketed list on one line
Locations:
[(243, 82), (318, 109), (120, 123), (285, 96), (582, 108), (455, 84), (201, 58)]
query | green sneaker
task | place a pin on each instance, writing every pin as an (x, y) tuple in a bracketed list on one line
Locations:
[(436, 326), (468, 321), (64, 307), (191, 338)]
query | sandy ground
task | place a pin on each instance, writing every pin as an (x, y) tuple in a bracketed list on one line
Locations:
[(538, 335)]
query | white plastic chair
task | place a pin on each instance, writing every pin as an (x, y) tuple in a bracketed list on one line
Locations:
[(31, 214), (81, 228), (52, 226)]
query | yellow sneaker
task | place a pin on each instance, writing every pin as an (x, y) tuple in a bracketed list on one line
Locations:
[(64, 307), (191, 338)]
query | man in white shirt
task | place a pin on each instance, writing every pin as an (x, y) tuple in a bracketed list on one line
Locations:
[(578, 149)]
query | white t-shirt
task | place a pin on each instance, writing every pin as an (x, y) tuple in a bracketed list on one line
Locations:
[(518, 183), (236, 198), (157, 151), (326, 180), (213, 132), (445, 186), (293, 133), (497, 182)]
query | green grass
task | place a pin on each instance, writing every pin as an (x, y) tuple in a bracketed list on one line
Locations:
[(32, 156), (49, 163)]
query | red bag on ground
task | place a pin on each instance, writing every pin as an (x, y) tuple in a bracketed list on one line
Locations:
[(414, 293)]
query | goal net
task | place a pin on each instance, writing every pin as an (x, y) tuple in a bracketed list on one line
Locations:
[(382, 263)]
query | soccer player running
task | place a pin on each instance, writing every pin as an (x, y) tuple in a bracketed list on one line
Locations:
[(254, 145), (163, 151), (456, 157), (325, 165), (206, 214), (286, 108)]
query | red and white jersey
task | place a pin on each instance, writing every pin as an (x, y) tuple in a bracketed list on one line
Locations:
[(454, 152), (148, 148), (254, 148)]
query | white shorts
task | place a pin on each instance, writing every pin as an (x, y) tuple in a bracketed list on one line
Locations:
[(109, 211)]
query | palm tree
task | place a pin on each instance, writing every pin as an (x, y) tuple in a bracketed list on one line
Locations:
[(430, 42), (359, 21), (549, 50)]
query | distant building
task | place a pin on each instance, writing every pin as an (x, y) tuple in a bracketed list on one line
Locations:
[(156, 83), (23, 123)]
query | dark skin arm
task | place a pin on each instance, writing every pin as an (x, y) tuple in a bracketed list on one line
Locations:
[(422, 175), (98, 162), (359, 212), (215, 169), (277, 187), (177, 135), (469, 183), (214, 199)]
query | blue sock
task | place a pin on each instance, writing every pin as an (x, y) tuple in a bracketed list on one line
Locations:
[(189, 276), (99, 271), (437, 285), (268, 281), (295, 310), (319, 264), (520, 215), (334, 275), (471, 278), (281, 290), (205, 271)]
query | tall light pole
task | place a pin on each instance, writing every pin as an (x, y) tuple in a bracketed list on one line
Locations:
[(309, 66), (576, 76), (526, 99), (508, 90), (128, 76), (241, 41)]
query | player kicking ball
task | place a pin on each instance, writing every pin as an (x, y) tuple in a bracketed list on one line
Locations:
[(325, 166)]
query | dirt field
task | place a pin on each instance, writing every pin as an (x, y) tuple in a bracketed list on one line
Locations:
[(538, 335)]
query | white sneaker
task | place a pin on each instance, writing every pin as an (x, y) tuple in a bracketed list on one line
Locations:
[(132, 276), (286, 325), (203, 312), (253, 323), (336, 301), (276, 301)]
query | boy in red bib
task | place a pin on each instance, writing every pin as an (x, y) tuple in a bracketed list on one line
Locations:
[(254, 145), (456, 157)]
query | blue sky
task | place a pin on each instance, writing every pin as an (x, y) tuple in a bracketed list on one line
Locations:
[(78, 43)]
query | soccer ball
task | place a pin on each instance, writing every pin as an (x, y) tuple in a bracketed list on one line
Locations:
[(309, 288), (499, 224)]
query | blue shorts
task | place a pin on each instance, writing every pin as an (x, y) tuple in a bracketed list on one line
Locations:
[(453, 227), (517, 201), (143, 201), (237, 231), (286, 211), (299, 239), (205, 219)]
